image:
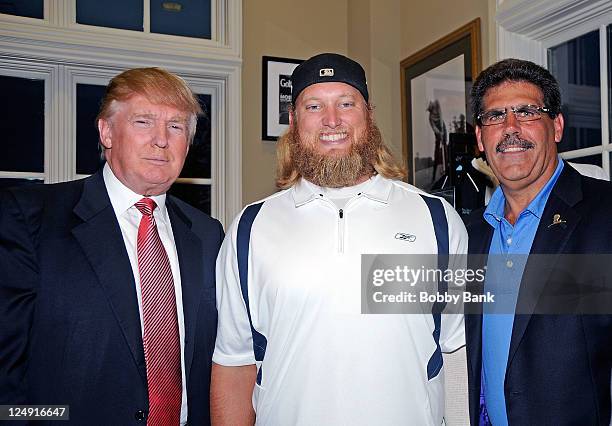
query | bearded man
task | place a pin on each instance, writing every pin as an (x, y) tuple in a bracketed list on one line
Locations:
[(292, 345)]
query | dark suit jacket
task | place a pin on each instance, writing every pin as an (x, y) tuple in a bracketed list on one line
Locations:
[(69, 325), (558, 369)]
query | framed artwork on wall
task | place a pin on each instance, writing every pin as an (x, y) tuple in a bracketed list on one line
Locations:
[(276, 95), (435, 84)]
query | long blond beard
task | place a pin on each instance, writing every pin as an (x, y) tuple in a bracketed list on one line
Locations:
[(336, 170)]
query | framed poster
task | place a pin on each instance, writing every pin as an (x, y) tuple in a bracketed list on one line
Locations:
[(436, 82), (276, 95)]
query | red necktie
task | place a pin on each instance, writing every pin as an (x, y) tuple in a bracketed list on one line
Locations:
[(161, 337)]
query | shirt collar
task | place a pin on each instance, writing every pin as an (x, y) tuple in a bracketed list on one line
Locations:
[(495, 210), (377, 189), (123, 198)]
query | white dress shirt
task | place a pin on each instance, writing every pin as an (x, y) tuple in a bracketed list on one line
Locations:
[(123, 199)]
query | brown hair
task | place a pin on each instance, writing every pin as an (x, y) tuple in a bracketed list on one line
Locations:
[(158, 86), (287, 173)]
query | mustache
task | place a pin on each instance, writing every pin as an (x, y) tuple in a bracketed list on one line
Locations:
[(513, 141)]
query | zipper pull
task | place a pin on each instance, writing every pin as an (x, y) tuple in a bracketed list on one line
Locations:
[(341, 213)]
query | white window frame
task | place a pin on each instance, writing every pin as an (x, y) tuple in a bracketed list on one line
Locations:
[(526, 29), (63, 53)]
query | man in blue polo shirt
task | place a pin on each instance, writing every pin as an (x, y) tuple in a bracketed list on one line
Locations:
[(527, 368)]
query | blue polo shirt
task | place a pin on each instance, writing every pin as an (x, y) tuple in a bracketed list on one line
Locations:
[(509, 247)]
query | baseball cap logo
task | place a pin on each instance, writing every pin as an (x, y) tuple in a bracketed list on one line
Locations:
[(326, 72)]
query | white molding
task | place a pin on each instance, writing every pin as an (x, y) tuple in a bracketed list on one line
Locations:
[(55, 34), (583, 152), (540, 19), (60, 12), (233, 165), (57, 169), (576, 31), (217, 15), (100, 49), (232, 28), (21, 175), (195, 181), (603, 81), (512, 45), (526, 28), (146, 11), (50, 12)]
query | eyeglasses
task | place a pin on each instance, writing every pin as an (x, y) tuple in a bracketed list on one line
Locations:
[(522, 113)]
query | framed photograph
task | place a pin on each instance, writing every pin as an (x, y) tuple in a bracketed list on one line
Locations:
[(436, 82), (276, 95)]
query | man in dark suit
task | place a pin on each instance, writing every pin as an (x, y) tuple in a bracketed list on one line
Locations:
[(107, 288), (534, 365)]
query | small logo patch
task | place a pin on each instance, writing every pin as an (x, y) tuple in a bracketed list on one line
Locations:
[(326, 72), (405, 237)]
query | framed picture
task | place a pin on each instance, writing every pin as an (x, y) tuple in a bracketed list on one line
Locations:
[(436, 83), (276, 96)]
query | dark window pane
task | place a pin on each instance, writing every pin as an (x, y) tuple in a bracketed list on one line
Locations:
[(22, 124), (189, 18), (9, 182), (591, 159), (575, 64), (197, 164), (579, 137), (122, 14), (29, 8), (88, 159), (196, 195)]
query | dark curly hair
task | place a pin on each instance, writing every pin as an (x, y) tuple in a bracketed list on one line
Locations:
[(516, 70)]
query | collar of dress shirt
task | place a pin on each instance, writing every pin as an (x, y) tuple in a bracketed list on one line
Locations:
[(495, 210), (123, 198), (376, 188)]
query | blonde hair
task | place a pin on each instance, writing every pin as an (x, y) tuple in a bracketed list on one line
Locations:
[(286, 171), (158, 86)]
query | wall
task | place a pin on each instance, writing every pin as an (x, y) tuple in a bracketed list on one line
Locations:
[(285, 28), (374, 41), (434, 19)]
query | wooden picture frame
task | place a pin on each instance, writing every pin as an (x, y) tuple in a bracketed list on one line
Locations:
[(435, 83)]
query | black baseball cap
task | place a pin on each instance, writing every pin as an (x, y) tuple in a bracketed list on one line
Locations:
[(326, 68)]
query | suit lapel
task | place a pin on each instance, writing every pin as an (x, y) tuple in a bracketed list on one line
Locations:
[(480, 235), (190, 255), (549, 240), (100, 238)]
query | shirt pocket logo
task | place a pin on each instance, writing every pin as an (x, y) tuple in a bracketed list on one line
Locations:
[(405, 237)]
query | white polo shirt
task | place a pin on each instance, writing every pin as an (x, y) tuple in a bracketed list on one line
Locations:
[(320, 361)]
